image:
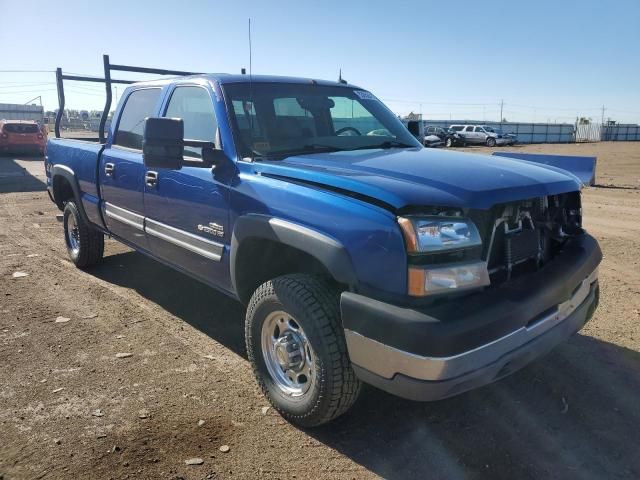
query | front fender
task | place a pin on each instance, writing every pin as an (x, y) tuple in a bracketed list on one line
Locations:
[(328, 251)]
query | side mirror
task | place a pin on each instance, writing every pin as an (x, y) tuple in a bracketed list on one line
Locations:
[(163, 143)]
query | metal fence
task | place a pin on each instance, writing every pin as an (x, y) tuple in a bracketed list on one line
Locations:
[(588, 132), (620, 133), (554, 132), (526, 132)]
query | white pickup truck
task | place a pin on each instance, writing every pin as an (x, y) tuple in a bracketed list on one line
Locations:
[(484, 135)]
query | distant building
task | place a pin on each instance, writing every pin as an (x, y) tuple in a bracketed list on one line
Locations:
[(412, 117), (14, 111)]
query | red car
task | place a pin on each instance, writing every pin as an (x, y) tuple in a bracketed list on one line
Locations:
[(22, 136)]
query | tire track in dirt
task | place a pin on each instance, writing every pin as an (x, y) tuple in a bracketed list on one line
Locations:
[(176, 384)]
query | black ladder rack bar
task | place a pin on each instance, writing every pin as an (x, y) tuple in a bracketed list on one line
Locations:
[(108, 81)]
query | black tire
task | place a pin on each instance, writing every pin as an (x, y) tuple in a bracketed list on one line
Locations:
[(90, 242), (315, 307), (491, 142), (448, 143)]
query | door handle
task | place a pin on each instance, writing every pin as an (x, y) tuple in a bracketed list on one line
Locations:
[(151, 178), (109, 169)]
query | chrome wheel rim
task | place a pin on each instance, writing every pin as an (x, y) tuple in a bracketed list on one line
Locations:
[(287, 354), (73, 235)]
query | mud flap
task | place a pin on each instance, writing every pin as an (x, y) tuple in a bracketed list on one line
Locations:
[(582, 167)]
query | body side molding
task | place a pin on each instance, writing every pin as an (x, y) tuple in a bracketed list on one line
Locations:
[(123, 215), (194, 243)]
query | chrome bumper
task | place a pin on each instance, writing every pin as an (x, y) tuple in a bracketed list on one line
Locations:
[(374, 359)]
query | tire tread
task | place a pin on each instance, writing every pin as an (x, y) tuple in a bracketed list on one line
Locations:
[(320, 302)]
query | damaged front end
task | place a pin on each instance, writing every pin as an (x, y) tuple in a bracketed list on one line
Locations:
[(522, 236)]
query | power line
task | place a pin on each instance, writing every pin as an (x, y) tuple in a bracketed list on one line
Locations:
[(27, 91), (33, 85), (27, 71)]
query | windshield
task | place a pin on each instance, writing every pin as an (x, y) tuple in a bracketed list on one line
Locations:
[(280, 119), (489, 129)]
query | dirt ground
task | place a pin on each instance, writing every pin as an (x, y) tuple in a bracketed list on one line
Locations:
[(70, 408)]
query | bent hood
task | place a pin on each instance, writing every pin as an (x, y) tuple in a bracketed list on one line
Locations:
[(422, 177)]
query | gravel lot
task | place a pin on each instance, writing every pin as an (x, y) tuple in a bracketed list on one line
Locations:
[(71, 408)]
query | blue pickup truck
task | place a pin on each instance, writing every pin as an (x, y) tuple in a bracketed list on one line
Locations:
[(360, 255)]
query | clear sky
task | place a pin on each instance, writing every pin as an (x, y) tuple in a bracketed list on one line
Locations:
[(548, 60)]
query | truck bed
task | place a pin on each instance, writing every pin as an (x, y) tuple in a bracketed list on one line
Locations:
[(82, 157)]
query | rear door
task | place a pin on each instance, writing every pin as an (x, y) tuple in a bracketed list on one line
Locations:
[(481, 135), (187, 210), (121, 171)]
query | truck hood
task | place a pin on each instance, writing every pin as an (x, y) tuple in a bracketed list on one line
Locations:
[(422, 177)]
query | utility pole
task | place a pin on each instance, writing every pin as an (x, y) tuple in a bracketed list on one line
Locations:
[(501, 107), (603, 109)]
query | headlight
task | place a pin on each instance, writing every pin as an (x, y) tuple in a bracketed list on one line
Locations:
[(428, 235), (434, 234)]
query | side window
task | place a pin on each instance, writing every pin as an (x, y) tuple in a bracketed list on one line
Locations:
[(139, 105), (431, 130), (480, 129), (195, 107), (469, 129), (456, 128)]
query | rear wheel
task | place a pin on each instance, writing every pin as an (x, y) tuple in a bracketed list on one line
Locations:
[(449, 142), (84, 244), (491, 142), (297, 349)]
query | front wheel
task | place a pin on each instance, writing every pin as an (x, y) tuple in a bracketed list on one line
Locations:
[(84, 244), (491, 142), (297, 349), (448, 143)]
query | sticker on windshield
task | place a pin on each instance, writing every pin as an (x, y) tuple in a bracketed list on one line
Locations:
[(364, 95)]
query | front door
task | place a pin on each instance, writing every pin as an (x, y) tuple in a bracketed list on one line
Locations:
[(121, 169), (187, 210)]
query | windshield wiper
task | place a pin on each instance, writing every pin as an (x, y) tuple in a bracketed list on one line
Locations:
[(385, 144)]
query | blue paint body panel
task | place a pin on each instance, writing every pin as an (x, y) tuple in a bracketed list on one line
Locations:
[(582, 167), (351, 197)]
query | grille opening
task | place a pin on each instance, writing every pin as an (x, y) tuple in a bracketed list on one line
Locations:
[(520, 237)]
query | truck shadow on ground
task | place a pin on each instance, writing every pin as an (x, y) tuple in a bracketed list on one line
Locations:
[(201, 306), (572, 414), (15, 178)]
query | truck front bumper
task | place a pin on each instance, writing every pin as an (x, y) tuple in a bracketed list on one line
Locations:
[(441, 351)]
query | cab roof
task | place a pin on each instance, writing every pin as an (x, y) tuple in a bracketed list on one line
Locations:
[(228, 78)]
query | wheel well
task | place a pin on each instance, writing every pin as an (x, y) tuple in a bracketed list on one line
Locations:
[(62, 191), (259, 260)]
